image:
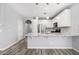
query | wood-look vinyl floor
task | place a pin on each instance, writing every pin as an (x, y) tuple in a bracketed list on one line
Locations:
[(51, 52)]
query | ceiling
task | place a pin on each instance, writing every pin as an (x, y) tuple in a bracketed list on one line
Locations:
[(38, 9)]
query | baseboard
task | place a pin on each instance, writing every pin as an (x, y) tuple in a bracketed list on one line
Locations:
[(76, 49), (49, 47), (2, 49)]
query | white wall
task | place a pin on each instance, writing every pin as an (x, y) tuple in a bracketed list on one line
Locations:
[(8, 19), (75, 42), (20, 26), (75, 17), (49, 42)]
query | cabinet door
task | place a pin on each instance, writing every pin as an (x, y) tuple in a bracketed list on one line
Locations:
[(64, 18), (34, 26)]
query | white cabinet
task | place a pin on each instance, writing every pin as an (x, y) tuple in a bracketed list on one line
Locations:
[(35, 26), (64, 18)]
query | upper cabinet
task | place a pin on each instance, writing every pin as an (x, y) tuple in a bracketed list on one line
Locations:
[(64, 18)]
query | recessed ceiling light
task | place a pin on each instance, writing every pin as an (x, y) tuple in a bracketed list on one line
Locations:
[(58, 3), (45, 13), (36, 3), (47, 17), (58, 17), (47, 3), (34, 17)]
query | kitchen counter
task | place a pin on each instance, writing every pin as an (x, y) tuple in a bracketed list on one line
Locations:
[(52, 34)]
